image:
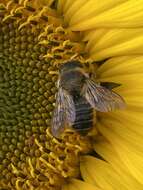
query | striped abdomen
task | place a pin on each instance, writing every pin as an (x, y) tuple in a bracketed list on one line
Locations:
[(84, 115)]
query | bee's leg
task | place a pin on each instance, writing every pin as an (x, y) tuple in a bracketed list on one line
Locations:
[(92, 70), (92, 75)]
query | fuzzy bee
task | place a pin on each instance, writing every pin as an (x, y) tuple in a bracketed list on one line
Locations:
[(77, 97)]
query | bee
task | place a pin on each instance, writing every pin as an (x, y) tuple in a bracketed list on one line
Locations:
[(77, 97)]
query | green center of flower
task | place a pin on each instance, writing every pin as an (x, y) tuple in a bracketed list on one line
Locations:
[(33, 43)]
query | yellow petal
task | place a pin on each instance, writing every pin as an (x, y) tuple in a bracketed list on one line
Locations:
[(133, 118), (88, 9), (66, 5), (106, 43), (129, 79), (127, 71), (127, 145), (129, 68), (99, 172), (106, 150), (117, 126), (109, 13), (92, 36), (60, 6), (123, 129), (75, 184), (121, 65)]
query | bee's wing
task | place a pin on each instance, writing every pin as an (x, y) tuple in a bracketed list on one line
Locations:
[(101, 98), (64, 112)]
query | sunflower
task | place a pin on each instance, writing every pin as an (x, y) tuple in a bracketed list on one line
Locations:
[(36, 37)]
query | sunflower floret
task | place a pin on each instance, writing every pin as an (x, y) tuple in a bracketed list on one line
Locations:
[(33, 44)]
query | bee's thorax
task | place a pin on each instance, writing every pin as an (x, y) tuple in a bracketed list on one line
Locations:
[(72, 81)]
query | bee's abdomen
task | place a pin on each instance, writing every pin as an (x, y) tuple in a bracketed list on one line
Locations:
[(84, 116)]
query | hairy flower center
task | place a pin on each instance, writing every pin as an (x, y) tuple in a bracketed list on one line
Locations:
[(33, 43)]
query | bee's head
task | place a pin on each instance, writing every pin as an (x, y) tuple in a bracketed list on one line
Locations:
[(72, 76), (70, 65)]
